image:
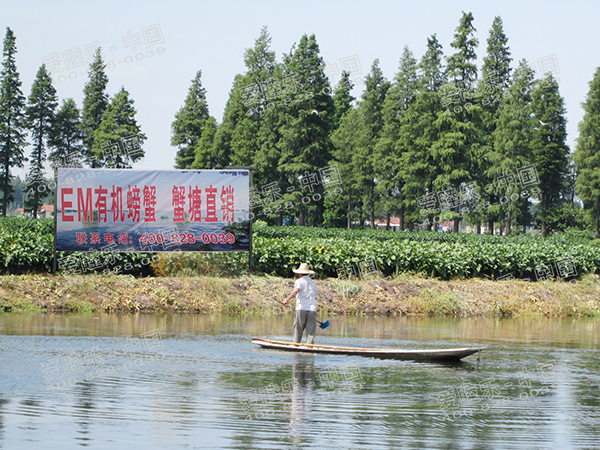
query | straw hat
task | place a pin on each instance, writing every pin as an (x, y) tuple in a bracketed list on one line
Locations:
[(303, 269)]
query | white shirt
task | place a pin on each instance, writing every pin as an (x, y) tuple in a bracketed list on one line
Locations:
[(306, 299)]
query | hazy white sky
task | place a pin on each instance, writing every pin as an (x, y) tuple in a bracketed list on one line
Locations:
[(212, 36)]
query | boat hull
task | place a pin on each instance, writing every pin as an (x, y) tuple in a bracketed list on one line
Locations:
[(450, 354)]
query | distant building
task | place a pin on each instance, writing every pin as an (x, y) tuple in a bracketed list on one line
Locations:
[(446, 227), (47, 212), (394, 224)]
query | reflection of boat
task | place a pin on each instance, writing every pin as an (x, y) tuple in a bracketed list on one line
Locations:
[(445, 354)]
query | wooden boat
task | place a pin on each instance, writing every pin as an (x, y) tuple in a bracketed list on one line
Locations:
[(445, 354)]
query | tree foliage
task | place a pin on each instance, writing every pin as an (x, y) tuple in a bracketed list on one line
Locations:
[(436, 140), (587, 154), (189, 123), (12, 119), (433, 141), (66, 137), (95, 102), (550, 151), (40, 119), (118, 136)]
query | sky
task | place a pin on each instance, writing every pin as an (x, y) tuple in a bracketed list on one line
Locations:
[(155, 48)]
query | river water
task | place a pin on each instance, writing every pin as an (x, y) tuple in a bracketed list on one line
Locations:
[(197, 382)]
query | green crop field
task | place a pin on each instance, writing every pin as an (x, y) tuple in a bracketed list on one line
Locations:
[(441, 255), (26, 246)]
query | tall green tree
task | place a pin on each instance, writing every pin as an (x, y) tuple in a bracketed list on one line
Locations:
[(189, 122), (511, 148), (95, 102), (118, 140), (419, 133), (365, 160), (40, 119), (258, 132), (66, 137), (492, 89), (587, 153), (305, 126), (549, 147), (459, 150), (390, 147), (338, 208), (347, 139), (238, 140), (249, 133), (12, 119)]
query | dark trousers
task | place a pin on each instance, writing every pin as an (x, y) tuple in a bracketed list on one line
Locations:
[(305, 320)]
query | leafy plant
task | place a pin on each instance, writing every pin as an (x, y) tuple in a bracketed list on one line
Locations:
[(26, 246)]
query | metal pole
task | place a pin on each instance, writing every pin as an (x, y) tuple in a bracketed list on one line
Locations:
[(55, 217), (250, 169)]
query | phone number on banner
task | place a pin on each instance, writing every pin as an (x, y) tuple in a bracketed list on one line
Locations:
[(187, 238)]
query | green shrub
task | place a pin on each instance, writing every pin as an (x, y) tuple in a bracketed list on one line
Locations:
[(574, 236), (42, 226), (26, 245)]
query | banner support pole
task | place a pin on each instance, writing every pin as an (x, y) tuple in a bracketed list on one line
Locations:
[(55, 218), (250, 169)]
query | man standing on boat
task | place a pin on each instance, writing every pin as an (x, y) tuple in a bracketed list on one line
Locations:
[(305, 291)]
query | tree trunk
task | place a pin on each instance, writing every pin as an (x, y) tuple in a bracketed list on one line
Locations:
[(362, 216), (544, 202), (456, 221), (478, 227), (372, 205), (508, 219), (491, 226), (349, 220), (598, 217), (401, 224), (301, 217), (387, 225), (37, 191), (5, 182), (4, 186)]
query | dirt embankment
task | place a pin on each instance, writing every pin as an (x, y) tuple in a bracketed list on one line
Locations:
[(262, 295)]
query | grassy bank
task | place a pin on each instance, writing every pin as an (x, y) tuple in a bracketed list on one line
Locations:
[(408, 295)]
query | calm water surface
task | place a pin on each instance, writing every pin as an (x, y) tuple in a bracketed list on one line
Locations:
[(113, 381)]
